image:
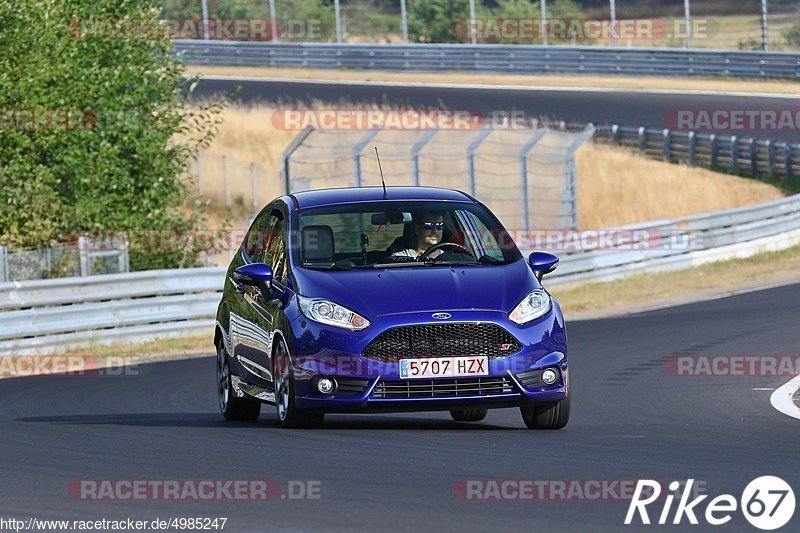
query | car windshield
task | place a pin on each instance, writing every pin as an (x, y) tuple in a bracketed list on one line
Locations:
[(400, 234)]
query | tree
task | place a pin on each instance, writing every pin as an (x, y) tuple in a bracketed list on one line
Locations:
[(90, 100)]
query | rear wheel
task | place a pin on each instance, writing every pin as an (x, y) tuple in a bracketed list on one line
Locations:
[(469, 415), (232, 408), (551, 415), (290, 416)]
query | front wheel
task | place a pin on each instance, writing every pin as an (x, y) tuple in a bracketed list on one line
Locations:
[(290, 416), (232, 408), (551, 415)]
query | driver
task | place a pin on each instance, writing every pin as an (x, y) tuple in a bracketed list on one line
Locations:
[(428, 228)]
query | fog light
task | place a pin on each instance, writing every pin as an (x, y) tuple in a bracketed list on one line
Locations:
[(326, 386), (549, 376)]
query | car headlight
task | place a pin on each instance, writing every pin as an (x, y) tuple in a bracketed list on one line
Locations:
[(534, 305), (332, 314)]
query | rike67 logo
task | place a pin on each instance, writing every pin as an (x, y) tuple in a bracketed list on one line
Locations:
[(767, 503)]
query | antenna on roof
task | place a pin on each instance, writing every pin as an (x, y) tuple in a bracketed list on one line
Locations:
[(385, 196)]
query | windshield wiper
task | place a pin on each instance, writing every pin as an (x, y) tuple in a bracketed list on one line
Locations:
[(325, 267), (433, 262)]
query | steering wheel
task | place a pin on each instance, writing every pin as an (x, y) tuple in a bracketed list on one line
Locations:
[(424, 255)]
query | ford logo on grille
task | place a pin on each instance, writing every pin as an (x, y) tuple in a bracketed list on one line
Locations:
[(441, 316)]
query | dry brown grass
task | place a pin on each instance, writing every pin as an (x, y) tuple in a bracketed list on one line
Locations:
[(617, 186), (611, 82)]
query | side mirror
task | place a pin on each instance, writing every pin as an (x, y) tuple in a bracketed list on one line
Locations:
[(542, 263), (253, 274)]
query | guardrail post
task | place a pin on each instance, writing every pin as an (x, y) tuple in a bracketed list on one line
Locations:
[(83, 251), (287, 155), (787, 160), (3, 263), (253, 187), (471, 149), (771, 159), (734, 154), (692, 148), (615, 133), (357, 149), (124, 258), (523, 174), (642, 140), (753, 158), (666, 146), (415, 150), (713, 150)]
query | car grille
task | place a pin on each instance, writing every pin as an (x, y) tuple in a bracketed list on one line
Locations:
[(442, 340), (435, 388)]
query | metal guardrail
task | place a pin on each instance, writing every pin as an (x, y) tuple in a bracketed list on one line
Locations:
[(737, 155), (489, 58), (47, 315), (679, 243)]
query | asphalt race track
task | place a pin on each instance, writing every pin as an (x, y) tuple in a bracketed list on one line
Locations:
[(601, 107), (631, 420)]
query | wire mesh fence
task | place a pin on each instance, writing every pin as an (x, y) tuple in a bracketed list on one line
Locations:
[(526, 176), (87, 257)]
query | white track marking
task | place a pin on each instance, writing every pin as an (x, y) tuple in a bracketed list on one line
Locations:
[(782, 400)]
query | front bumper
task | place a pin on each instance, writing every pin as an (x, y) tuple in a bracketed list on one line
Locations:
[(508, 384), (510, 381)]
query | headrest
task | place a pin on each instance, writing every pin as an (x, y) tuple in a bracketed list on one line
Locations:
[(317, 243)]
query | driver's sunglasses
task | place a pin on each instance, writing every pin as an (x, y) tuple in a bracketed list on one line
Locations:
[(431, 225)]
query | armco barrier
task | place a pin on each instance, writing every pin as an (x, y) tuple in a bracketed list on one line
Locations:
[(509, 59), (48, 315), (730, 153)]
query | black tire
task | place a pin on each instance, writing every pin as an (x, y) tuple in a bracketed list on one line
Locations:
[(231, 406), (290, 416), (469, 415), (552, 415)]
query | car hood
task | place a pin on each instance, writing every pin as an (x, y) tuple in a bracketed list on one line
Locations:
[(413, 289)]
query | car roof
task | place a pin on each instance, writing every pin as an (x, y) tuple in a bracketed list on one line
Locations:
[(322, 197)]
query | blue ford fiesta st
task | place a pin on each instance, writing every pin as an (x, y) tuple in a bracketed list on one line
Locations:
[(388, 299)]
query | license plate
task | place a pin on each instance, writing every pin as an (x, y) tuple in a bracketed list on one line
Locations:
[(442, 367)]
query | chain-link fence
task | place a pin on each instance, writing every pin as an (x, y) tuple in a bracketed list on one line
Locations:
[(87, 257), (229, 181), (526, 176)]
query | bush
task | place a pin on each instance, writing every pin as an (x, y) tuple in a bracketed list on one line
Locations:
[(447, 21), (87, 123)]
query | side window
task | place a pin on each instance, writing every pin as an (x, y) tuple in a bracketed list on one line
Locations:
[(254, 239), (274, 246)]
